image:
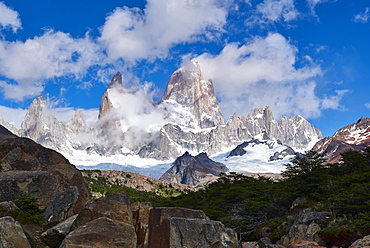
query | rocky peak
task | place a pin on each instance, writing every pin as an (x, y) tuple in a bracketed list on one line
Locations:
[(188, 88), (77, 123), (106, 103), (355, 133)]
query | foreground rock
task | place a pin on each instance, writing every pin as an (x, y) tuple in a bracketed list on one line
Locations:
[(180, 227), (113, 222), (102, 232), (12, 234), (29, 169)]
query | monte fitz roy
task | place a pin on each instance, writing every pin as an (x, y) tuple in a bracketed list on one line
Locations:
[(187, 118)]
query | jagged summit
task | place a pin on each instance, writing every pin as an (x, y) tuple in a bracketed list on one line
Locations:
[(188, 88), (106, 104)]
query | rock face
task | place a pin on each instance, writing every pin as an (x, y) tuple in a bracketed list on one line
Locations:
[(354, 137), (29, 169), (192, 170)]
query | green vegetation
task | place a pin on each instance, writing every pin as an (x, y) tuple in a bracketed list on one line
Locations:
[(250, 204), (29, 212)]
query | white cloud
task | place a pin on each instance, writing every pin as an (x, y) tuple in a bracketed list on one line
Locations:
[(278, 10), (362, 17), (367, 105), (263, 72), (9, 18), (30, 63), (133, 34), (333, 102)]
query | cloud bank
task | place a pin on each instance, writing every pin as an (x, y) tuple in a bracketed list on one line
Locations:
[(264, 72), (134, 34)]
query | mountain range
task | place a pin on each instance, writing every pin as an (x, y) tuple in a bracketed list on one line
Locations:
[(188, 118)]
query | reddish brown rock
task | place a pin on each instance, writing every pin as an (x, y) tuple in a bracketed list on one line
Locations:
[(115, 206), (141, 216), (103, 233)]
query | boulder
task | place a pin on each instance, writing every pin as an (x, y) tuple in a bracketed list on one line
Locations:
[(103, 233), (180, 227), (12, 234), (114, 206), (363, 242), (6, 208), (306, 227), (141, 216), (55, 235), (61, 206), (29, 169)]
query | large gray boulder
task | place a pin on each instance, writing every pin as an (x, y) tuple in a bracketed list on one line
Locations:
[(12, 234), (55, 235), (180, 227)]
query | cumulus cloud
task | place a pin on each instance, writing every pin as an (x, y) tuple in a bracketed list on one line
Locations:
[(362, 17), (367, 105), (264, 72), (277, 10), (54, 54), (333, 102), (9, 18), (134, 34)]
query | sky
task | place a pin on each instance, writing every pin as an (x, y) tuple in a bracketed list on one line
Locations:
[(300, 57)]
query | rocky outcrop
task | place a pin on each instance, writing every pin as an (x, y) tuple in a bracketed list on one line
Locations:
[(191, 170), (12, 234), (29, 169)]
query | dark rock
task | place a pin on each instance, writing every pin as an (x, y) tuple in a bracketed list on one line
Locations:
[(280, 155), (29, 169), (264, 242), (61, 206), (55, 235), (103, 233), (239, 150), (191, 170), (115, 206), (12, 234)]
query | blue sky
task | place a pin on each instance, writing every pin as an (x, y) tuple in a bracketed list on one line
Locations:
[(306, 57)]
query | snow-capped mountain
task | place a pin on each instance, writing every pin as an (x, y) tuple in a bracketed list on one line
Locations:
[(188, 118), (355, 137)]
